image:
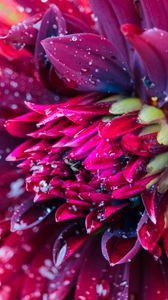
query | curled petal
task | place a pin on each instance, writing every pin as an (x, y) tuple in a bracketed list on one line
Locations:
[(151, 200), (67, 243), (22, 125), (119, 250), (145, 145), (132, 169)]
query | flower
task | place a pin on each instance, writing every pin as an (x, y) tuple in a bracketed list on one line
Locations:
[(93, 152)]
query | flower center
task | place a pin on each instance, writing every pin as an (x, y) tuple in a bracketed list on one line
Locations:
[(99, 156)]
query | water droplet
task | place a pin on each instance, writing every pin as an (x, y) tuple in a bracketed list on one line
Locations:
[(103, 289)]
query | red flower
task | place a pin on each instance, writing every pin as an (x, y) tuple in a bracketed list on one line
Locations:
[(93, 149)]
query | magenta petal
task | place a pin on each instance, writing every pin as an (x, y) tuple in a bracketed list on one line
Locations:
[(44, 109), (83, 65), (104, 156), (118, 250), (152, 47), (95, 197), (111, 15), (78, 114), (81, 136), (119, 126), (116, 179), (155, 14), (19, 152), (129, 190), (82, 151), (145, 146)]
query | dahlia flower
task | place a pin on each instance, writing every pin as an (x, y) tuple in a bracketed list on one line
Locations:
[(84, 130)]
